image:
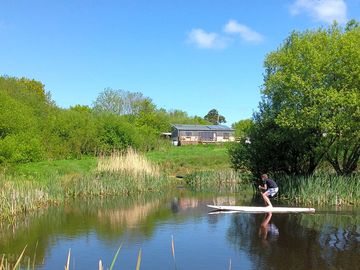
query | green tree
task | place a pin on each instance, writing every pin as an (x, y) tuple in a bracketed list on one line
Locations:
[(242, 128), (312, 83), (23, 104), (310, 106), (116, 133), (214, 117), (122, 102)]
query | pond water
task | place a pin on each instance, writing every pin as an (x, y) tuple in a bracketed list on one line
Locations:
[(95, 229)]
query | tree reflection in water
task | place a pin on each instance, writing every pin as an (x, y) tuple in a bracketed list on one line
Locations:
[(325, 240), (298, 241)]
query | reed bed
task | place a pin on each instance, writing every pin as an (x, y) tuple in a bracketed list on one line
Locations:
[(20, 197), (321, 189), (130, 162), (224, 180), (119, 174)]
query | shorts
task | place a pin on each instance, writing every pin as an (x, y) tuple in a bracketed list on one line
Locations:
[(272, 191)]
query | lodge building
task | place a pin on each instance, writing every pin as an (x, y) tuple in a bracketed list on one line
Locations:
[(196, 134)]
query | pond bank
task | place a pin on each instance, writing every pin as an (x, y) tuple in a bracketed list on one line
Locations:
[(119, 174)]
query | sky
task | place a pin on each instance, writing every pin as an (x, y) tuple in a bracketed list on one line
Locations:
[(191, 55)]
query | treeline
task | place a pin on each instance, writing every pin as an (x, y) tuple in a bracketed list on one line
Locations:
[(309, 115), (33, 127)]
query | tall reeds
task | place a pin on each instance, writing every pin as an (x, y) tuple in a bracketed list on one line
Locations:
[(321, 189), (224, 180), (118, 174), (5, 265), (20, 197), (130, 162)]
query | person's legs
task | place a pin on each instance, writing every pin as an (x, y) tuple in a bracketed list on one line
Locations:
[(266, 199)]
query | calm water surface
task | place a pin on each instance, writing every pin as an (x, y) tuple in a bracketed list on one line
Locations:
[(94, 229)]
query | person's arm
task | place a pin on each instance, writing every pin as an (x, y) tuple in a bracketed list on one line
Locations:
[(264, 187)]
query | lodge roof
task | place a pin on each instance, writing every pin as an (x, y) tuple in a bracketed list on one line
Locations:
[(202, 127)]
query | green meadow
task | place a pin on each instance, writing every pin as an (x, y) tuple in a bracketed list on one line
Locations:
[(191, 158)]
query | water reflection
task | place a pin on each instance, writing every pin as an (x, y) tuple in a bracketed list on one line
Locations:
[(325, 240), (107, 219), (268, 230), (296, 241)]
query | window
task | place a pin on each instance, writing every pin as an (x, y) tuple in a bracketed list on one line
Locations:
[(188, 133), (207, 136), (226, 136)]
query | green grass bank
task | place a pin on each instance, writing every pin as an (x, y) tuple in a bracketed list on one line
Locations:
[(187, 159)]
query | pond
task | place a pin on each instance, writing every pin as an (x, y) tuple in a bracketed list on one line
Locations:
[(176, 231)]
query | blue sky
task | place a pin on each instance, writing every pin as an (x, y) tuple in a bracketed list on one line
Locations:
[(192, 55)]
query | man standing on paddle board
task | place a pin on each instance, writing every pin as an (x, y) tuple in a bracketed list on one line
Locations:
[(270, 187)]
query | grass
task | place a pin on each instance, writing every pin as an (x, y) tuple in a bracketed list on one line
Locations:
[(45, 169), (191, 158)]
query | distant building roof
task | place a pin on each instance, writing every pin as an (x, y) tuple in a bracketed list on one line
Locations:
[(203, 127)]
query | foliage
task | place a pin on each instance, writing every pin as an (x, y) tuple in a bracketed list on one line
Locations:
[(122, 102), (242, 128), (33, 128), (181, 117), (23, 106), (214, 117), (312, 82), (114, 133), (310, 106)]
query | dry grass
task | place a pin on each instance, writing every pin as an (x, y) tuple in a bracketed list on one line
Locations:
[(130, 162)]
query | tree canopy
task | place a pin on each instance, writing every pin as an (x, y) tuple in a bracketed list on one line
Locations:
[(310, 102), (214, 117)]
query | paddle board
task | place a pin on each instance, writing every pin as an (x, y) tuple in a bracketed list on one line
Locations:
[(261, 209)]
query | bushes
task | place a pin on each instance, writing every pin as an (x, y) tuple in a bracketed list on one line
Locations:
[(20, 148), (32, 127)]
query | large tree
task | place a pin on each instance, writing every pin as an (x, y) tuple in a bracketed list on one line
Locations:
[(312, 82), (310, 105), (122, 102), (214, 117)]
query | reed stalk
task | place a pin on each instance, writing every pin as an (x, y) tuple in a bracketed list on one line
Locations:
[(115, 257), (138, 263), (173, 251), (67, 266)]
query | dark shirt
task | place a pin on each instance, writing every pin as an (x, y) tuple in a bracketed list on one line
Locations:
[(270, 183)]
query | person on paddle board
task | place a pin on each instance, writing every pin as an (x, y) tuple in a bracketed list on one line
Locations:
[(270, 187)]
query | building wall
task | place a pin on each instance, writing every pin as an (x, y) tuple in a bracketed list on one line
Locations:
[(194, 137)]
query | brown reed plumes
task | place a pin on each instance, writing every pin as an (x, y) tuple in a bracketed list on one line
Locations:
[(130, 162)]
